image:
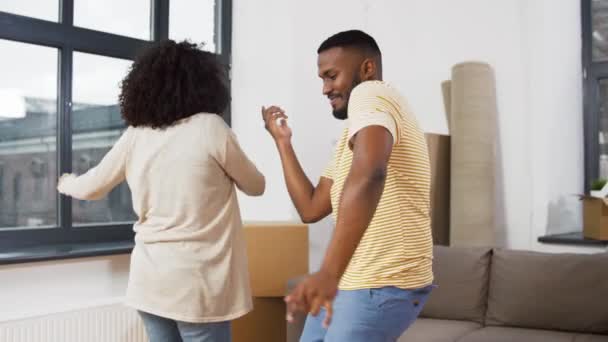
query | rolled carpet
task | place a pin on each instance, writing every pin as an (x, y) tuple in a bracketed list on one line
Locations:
[(473, 115)]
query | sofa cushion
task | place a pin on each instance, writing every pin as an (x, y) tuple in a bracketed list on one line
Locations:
[(590, 338), (437, 330), (506, 334), (462, 278), (549, 291)]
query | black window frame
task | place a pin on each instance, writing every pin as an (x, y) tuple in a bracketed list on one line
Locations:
[(68, 39), (593, 73)]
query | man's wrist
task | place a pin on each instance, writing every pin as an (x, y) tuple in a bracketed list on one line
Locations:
[(331, 273), (283, 143)]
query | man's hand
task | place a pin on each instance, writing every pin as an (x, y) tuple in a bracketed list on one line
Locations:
[(276, 124), (316, 291)]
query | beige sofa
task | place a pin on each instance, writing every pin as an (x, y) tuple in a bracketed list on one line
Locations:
[(487, 295), (505, 295)]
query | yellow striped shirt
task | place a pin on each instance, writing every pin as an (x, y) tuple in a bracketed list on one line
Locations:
[(396, 249)]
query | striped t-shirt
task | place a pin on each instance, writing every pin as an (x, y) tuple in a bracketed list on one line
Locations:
[(396, 249)]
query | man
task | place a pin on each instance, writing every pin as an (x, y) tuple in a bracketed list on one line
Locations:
[(376, 274)]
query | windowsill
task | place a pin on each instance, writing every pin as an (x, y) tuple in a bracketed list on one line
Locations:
[(574, 238), (64, 251)]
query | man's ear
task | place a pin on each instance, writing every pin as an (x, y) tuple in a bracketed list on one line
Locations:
[(368, 69)]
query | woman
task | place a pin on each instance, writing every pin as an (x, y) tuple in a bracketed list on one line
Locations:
[(188, 274)]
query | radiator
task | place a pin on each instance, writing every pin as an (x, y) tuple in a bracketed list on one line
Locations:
[(112, 323)]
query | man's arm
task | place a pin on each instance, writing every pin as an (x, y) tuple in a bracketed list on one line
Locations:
[(372, 147), (312, 203)]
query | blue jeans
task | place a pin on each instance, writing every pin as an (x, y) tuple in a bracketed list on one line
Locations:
[(161, 329), (369, 315)]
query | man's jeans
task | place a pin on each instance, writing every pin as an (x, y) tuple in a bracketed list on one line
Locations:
[(369, 315)]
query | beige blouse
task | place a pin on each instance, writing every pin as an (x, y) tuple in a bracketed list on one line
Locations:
[(189, 262)]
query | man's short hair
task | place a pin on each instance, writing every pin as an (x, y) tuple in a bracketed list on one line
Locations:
[(354, 39)]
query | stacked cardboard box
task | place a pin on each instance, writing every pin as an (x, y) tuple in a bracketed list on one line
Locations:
[(439, 156), (595, 218), (277, 252)]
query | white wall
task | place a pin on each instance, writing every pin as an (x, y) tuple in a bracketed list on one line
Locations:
[(534, 46)]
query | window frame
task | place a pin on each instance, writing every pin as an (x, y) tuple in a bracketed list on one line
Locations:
[(67, 38), (593, 73)]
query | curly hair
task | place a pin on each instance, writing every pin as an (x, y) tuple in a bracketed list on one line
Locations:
[(171, 81)]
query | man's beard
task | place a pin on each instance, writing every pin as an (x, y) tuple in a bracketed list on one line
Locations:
[(342, 114)]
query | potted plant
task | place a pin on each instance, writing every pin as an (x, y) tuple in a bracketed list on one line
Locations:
[(597, 186)]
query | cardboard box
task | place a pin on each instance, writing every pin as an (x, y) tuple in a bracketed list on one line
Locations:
[(439, 156), (265, 323), (595, 218), (277, 252)]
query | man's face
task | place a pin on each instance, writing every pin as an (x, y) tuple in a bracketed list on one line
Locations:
[(339, 69)]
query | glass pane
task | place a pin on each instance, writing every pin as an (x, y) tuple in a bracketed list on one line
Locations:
[(193, 20), (599, 15), (96, 125), (46, 9), (603, 129), (28, 119), (126, 18)]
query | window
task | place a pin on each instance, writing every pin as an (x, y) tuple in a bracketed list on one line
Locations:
[(96, 125), (595, 64), (192, 20), (46, 10), (2, 166), (132, 19), (63, 61), (28, 130)]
